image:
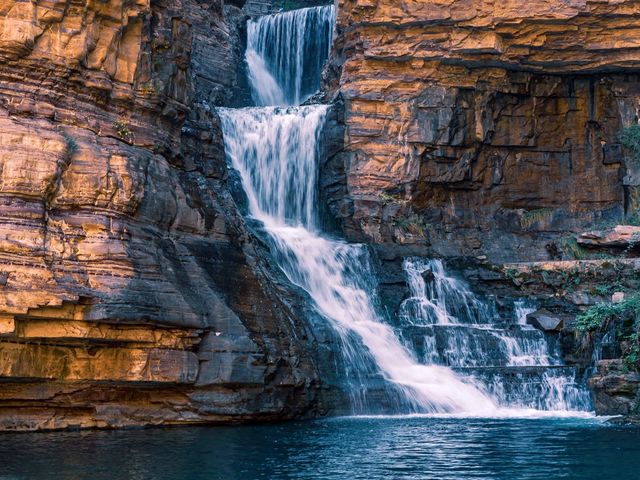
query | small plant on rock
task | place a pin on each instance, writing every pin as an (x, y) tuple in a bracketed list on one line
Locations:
[(122, 130), (71, 146), (414, 224), (149, 88), (391, 199)]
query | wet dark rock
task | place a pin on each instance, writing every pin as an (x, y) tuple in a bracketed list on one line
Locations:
[(427, 276), (545, 320)]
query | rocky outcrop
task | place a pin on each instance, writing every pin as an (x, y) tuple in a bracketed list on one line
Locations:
[(620, 236), (131, 290), (483, 128), (616, 389)]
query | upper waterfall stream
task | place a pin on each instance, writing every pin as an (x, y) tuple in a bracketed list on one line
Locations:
[(447, 332), (286, 52)]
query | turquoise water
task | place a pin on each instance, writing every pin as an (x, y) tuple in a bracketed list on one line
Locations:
[(380, 448)]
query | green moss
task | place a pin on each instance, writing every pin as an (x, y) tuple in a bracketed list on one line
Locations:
[(532, 217), (70, 144), (632, 356), (569, 245)]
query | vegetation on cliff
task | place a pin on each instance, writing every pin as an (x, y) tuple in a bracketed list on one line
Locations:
[(623, 318)]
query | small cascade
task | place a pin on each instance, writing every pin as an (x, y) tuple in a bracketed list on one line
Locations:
[(437, 299), (521, 308), (448, 325), (286, 52)]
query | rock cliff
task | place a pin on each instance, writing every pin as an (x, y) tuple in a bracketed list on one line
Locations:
[(483, 127), (131, 290)]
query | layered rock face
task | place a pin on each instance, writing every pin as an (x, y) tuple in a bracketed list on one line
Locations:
[(131, 291), (483, 127)]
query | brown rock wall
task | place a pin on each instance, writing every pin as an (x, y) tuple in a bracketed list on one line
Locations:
[(483, 127), (131, 291)]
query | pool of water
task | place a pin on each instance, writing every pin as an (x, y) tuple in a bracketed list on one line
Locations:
[(343, 448)]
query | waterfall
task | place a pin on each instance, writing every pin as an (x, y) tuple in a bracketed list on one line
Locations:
[(437, 298), (286, 52), (263, 144), (514, 362), (275, 150)]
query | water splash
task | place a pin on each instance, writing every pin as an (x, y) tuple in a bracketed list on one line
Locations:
[(286, 52)]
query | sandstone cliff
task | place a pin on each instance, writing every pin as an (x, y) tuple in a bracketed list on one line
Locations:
[(131, 291), (483, 127)]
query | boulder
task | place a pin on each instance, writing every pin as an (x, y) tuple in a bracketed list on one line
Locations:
[(545, 321), (617, 297)]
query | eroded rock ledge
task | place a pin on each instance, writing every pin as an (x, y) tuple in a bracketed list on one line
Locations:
[(483, 127)]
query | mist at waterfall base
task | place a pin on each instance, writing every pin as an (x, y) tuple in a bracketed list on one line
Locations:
[(399, 448), (275, 149)]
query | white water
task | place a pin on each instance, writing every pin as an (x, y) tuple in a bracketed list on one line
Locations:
[(275, 150), (286, 52), (442, 301)]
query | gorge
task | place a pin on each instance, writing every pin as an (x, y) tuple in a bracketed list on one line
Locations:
[(217, 212)]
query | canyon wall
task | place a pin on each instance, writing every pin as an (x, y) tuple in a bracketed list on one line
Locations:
[(131, 290), (475, 127)]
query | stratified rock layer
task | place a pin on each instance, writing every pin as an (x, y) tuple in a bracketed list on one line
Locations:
[(131, 291), (483, 127)]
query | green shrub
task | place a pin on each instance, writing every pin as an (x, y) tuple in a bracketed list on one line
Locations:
[(596, 316), (630, 139)]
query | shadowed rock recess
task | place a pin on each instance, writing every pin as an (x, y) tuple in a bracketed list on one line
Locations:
[(134, 292)]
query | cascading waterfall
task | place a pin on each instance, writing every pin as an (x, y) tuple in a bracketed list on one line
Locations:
[(286, 52), (452, 326), (275, 150)]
